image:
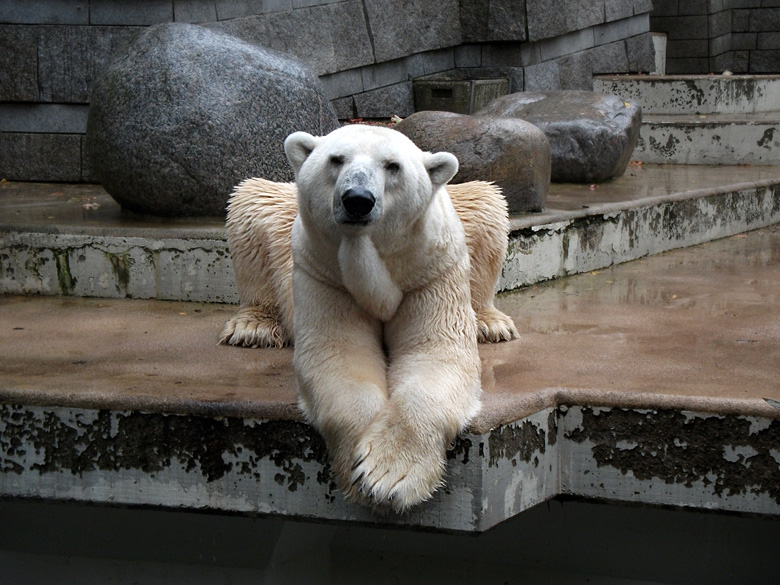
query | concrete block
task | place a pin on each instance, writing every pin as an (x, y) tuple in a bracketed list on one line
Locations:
[(507, 54), (40, 157), (608, 59), (720, 45), (687, 49), (692, 7), (382, 74), (682, 27), (686, 66), (44, 118), (194, 11), (719, 23), (474, 20), (328, 38), (468, 56), (543, 76), (506, 20), (765, 19), (765, 41), (617, 10), (740, 21), (87, 174), (552, 18), (344, 83), (19, 63), (746, 41), (456, 93), (567, 44), (394, 100), (128, 12), (44, 12), (401, 28), (344, 108), (640, 53), (765, 61), (665, 7), (643, 6), (610, 32), (639, 24), (70, 58), (437, 61)]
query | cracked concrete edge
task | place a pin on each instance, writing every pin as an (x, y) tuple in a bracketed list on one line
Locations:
[(651, 456), (541, 248), (615, 234)]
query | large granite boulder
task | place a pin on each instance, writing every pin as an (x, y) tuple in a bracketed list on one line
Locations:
[(184, 113), (511, 153), (592, 135)]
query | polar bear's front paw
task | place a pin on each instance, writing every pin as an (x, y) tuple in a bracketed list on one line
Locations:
[(397, 467), (494, 326), (254, 327)]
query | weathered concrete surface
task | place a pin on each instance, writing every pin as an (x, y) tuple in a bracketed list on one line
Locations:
[(695, 94), (653, 382), (711, 139), (703, 119), (73, 239)]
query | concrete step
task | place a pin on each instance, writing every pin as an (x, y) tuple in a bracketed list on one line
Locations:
[(73, 240), (709, 139), (653, 382), (705, 119), (695, 94)]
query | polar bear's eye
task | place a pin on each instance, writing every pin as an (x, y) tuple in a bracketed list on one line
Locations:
[(392, 167), (336, 161)]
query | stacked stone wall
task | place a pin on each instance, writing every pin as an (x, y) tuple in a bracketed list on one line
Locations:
[(712, 36), (366, 53)]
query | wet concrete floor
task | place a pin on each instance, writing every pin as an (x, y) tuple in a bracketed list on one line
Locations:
[(88, 208), (695, 329)]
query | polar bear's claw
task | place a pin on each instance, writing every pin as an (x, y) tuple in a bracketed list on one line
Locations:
[(251, 327), (493, 326)]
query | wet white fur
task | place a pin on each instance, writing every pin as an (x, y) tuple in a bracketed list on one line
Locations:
[(387, 316)]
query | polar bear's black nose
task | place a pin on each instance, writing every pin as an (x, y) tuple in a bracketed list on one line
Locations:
[(358, 202)]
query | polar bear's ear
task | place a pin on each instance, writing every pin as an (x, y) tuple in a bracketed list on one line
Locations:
[(441, 167), (298, 147)]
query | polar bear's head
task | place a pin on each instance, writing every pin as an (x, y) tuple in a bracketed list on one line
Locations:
[(359, 177)]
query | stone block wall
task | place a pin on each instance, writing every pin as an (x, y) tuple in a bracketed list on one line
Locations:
[(711, 36), (366, 52)]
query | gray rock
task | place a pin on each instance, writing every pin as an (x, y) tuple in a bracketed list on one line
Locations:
[(591, 135), (184, 113), (512, 153)]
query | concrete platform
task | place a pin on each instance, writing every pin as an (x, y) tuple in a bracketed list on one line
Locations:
[(652, 382), (74, 240), (703, 119)]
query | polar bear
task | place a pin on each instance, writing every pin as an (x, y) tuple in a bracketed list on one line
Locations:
[(385, 290)]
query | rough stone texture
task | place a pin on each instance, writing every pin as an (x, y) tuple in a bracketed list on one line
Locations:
[(393, 100), (71, 58), (328, 38), (18, 64), (492, 20), (512, 153), (185, 113), (591, 135), (40, 157), (402, 27), (549, 18)]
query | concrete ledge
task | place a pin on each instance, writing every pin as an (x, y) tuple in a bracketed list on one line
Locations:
[(73, 240), (651, 382)]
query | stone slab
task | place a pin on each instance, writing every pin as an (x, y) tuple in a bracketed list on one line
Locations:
[(581, 229), (695, 94), (675, 354), (712, 139)]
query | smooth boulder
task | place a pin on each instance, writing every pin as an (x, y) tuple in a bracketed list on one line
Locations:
[(513, 154), (592, 135), (183, 114)]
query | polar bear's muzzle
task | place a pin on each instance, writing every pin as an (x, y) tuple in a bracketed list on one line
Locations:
[(357, 205)]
